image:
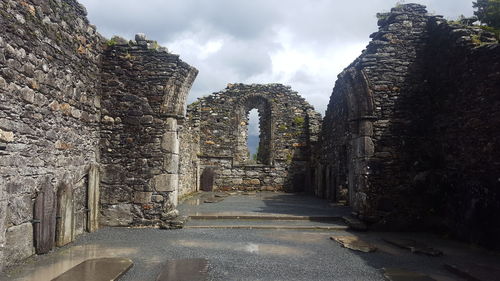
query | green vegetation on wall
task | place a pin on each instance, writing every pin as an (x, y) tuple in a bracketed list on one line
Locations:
[(488, 13)]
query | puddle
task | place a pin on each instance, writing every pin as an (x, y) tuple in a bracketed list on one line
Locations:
[(253, 248), (184, 270), (45, 268), (193, 202), (98, 269)]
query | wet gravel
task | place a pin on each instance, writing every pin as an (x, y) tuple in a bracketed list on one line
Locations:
[(251, 254), (242, 254), (239, 254)]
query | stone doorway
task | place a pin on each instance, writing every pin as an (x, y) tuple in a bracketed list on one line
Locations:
[(207, 179)]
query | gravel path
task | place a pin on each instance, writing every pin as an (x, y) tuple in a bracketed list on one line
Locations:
[(252, 254), (232, 254)]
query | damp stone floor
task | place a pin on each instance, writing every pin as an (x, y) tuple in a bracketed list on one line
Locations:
[(255, 253)]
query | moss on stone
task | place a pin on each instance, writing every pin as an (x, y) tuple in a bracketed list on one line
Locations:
[(299, 121)]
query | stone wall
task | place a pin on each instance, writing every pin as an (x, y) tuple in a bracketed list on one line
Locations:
[(219, 123), (49, 113), (144, 93), (461, 167), (55, 72), (411, 128)]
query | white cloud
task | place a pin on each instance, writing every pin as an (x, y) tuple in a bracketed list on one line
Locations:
[(304, 44)]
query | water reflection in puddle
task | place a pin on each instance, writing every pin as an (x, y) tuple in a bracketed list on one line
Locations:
[(52, 265), (253, 248), (193, 202)]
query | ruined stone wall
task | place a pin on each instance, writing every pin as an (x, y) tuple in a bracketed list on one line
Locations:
[(49, 113), (144, 93), (365, 127), (411, 127), (461, 172), (288, 124)]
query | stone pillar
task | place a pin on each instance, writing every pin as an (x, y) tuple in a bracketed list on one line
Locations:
[(169, 180), (363, 149), (3, 212)]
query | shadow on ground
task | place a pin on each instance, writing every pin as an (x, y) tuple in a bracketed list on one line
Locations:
[(263, 203)]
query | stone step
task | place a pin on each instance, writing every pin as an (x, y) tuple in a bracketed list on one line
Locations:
[(355, 223), (275, 221), (265, 217), (276, 227), (414, 246), (474, 272), (102, 269), (398, 274), (263, 222)]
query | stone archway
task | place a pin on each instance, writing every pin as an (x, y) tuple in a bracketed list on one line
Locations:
[(217, 129), (361, 148), (349, 130)]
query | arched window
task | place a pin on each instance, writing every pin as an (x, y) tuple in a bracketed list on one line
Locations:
[(254, 139)]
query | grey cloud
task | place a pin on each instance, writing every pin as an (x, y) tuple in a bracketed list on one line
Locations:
[(247, 58), (303, 77), (249, 31)]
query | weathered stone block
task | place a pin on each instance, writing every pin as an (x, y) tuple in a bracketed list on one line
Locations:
[(61, 145), (157, 198), (140, 37), (363, 147), (20, 209), (120, 193), (28, 95), (113, 174), (142, 197), (171, 124), (171, 163), (170, 142), (237, 181), (173, 199), (365, 128), (6, 136), (117, 215), (166, 182), (20, 243), (108, 120), (252, 181)]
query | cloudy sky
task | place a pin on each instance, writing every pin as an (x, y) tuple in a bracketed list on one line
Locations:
[(301, 43)]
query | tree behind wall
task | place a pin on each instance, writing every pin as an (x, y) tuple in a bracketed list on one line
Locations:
[(488, 12)]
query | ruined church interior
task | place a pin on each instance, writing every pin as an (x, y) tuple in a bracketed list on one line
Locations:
[(107, 172)]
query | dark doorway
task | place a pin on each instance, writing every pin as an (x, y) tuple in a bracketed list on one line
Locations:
[(207, 179)]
